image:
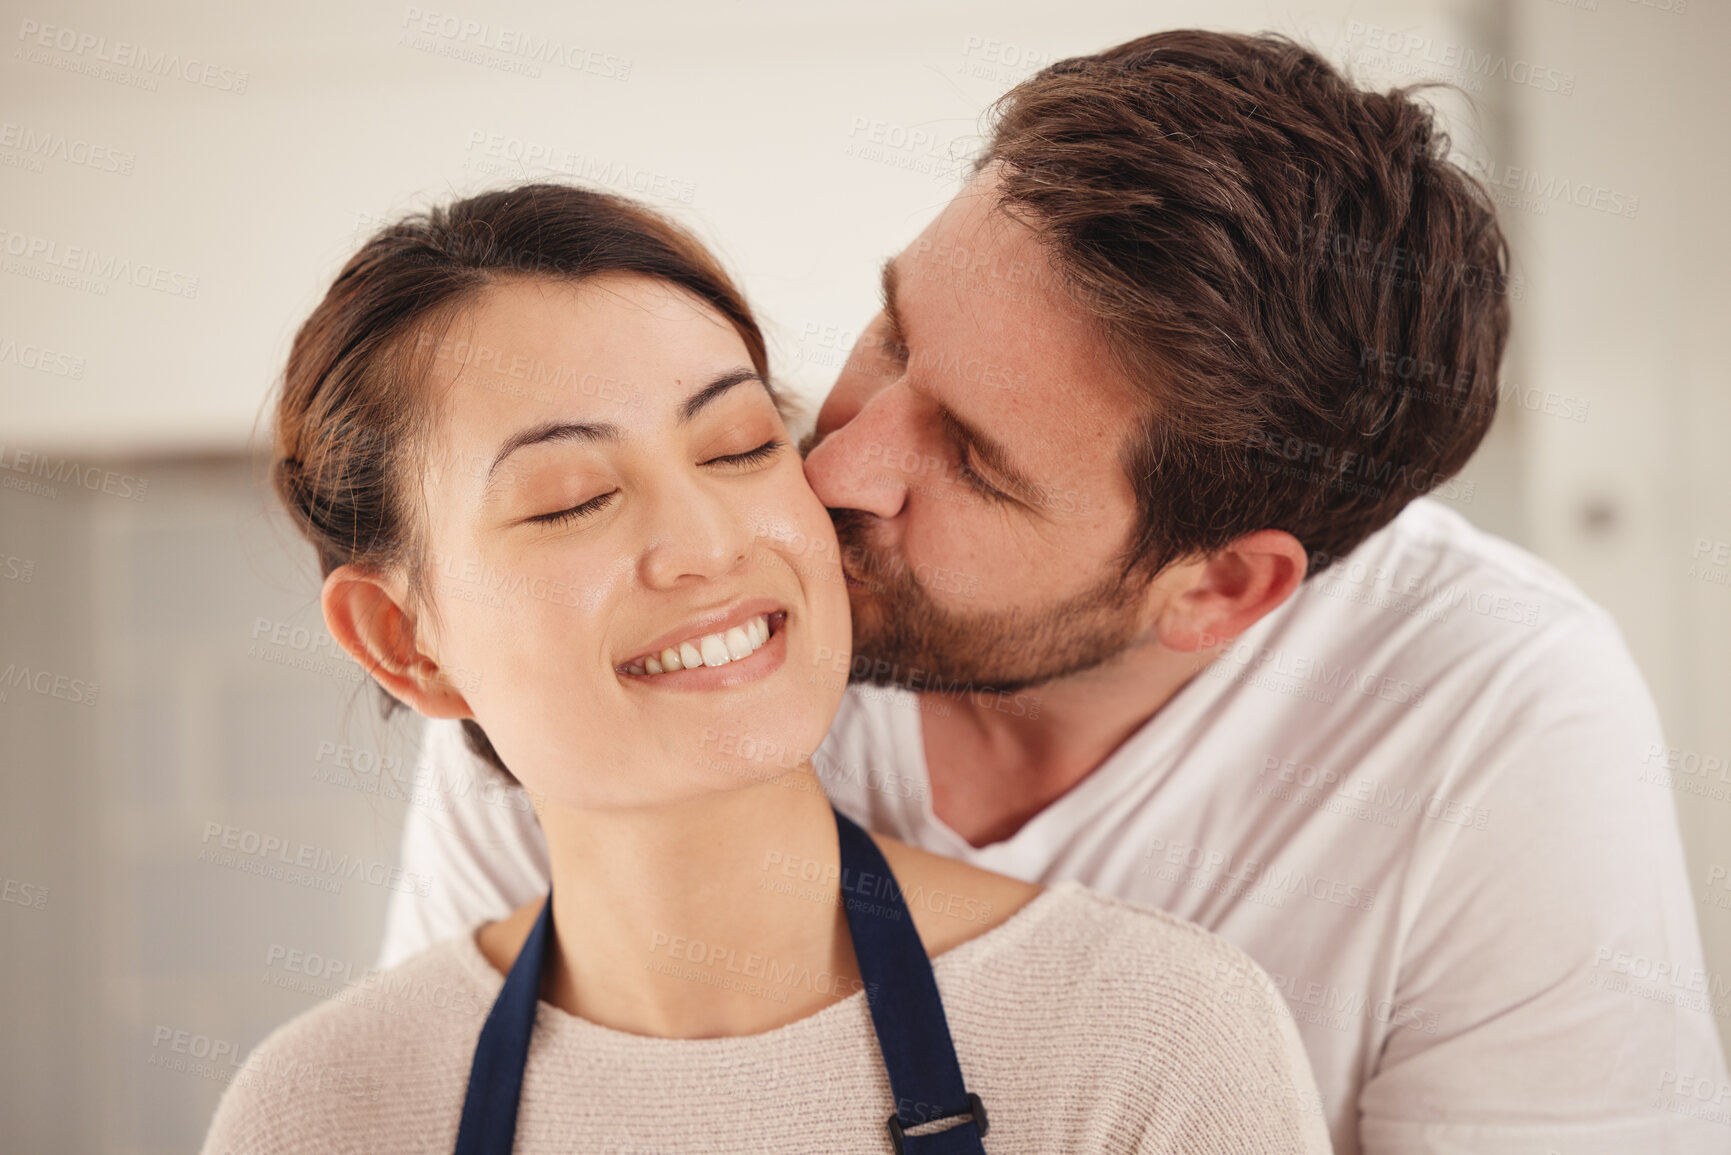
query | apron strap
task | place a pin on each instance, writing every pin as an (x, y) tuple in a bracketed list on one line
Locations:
[(489, 1124), (907, 1010)]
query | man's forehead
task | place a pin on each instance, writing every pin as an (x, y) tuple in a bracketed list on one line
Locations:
[(980, 298), (973, 228)]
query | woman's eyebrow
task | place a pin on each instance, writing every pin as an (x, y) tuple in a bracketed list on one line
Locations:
[(716, 387), (591, 431), (552, 431)]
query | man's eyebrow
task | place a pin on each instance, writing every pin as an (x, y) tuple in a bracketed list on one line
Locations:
[(989, 451), (890, 279), (592, 431)]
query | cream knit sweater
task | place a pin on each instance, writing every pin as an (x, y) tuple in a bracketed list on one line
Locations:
[(1085, 1023)]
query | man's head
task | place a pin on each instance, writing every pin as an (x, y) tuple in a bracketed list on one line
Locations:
[(1206, 317)]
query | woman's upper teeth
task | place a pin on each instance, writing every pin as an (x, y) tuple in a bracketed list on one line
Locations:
[(709, 650)]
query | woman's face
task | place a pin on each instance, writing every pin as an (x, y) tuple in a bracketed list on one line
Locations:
[(610, 491)]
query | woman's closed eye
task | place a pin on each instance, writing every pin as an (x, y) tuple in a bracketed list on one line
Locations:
[(576, 512), (751, 456), (596, 504)]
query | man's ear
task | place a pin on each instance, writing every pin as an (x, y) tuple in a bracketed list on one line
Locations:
[(366, 616), (1230, 591)]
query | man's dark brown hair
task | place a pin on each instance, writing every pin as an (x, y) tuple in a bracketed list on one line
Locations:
[(1313, 297)]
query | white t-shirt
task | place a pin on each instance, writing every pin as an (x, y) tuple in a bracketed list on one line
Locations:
[(1427, 795)]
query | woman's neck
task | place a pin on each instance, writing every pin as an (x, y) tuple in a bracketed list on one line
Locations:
[(719, 916)]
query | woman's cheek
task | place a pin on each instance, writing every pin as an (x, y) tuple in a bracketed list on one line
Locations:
[(819, 571), (497, 645), (796, 524)]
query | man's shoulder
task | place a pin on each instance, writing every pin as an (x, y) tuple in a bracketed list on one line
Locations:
[(1428, 526), (1443, 591), (1473, 662)]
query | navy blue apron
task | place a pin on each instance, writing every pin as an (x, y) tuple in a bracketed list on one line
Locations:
[(906, 1010)]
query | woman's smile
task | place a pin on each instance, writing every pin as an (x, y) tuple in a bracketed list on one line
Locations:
[(715, 651)]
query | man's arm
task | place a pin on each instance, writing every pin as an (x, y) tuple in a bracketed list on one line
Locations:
[(1551, 994), (475, 837)]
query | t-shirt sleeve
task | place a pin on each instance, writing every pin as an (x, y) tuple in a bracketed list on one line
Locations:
[(1552, 957), (474, 836)]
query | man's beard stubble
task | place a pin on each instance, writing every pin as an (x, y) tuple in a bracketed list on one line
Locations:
[(903, 637)]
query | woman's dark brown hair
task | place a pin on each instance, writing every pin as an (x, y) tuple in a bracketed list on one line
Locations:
[(355, 415)]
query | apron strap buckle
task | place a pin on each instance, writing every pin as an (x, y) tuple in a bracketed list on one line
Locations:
[(976, 1109)]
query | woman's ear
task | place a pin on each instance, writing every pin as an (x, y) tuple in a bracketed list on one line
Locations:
[(366, 614)]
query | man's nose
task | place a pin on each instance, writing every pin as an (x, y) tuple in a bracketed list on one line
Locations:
[(871, 365), (854, 467)]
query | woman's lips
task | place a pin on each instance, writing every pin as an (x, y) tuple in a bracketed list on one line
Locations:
[(716, 621), (729, 643), (760, 643)]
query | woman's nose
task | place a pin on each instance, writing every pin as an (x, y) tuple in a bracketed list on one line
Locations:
[(694, 534)]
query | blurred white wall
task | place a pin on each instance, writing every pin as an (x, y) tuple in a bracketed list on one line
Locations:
[(178, 186), (807, 141), (1626, 313)]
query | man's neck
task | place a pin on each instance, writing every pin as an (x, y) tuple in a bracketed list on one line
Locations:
[(995, 761)]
